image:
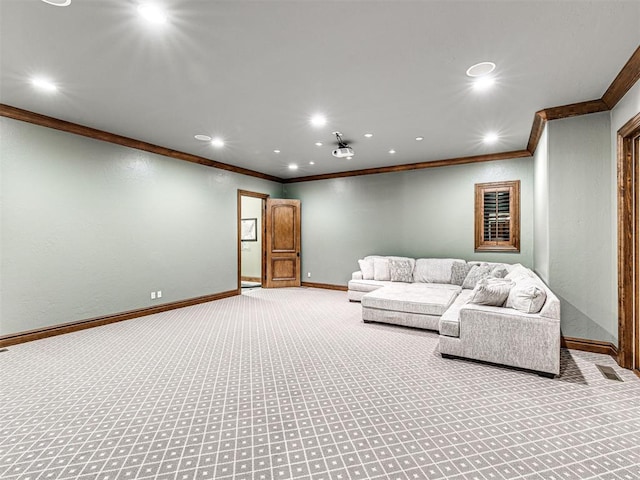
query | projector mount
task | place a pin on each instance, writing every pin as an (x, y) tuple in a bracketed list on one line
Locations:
[(343, 150)]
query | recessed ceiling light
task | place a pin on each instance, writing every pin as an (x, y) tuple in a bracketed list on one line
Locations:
[(368, 135), (276, 151), (217, 142), (318, 120), (490, 138), (293, 166), (483, 83), (152, 13), (481, 69), (204, 138), (312, 163), (44, 84), (349, 158), (58, 3), (419, 139), (318, 144), (392, 151)]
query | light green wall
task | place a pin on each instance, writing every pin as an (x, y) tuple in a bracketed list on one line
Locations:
[(251, 254), (419, 213), (579, 222), (90, 228), (541, 208)]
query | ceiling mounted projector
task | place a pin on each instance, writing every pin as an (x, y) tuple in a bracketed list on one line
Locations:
[(343, 150)]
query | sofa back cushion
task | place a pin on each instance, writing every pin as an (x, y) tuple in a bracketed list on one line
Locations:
[(434, 270)]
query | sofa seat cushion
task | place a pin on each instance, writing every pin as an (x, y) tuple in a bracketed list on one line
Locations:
[(450, 320), (368, 285), (412, 298)]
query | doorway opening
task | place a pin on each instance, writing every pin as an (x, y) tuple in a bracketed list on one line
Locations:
[(251, 240), (268, 241), (628, 147)]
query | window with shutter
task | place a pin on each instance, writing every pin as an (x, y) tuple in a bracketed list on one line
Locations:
[(497, 217)]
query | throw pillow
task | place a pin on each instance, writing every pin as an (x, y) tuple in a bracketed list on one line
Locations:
[(519, 271), (366, 267), (491, 291), (381, 269), (459, 271), (499, 271), (477, 273), (401, 270), (527, 296)]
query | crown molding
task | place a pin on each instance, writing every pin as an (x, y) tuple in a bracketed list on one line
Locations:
[(69, 127), (541, 117), (575, 109), (415, 166), (623, 82), (626, 79)]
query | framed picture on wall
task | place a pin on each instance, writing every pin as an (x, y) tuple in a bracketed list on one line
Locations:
[(249, 230)]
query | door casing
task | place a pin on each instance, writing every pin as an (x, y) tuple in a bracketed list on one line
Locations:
[(628, 144)]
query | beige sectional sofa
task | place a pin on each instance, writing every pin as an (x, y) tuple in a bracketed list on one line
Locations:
[(492, 312)]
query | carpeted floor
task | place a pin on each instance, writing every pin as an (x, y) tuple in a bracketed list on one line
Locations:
[(289, 383)]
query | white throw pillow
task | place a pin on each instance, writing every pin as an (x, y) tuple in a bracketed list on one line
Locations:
[(491, 291), (527, 296), (519, 271), (366, 267), (381, 269)]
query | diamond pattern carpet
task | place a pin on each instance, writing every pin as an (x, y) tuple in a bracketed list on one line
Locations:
[(290, 384)]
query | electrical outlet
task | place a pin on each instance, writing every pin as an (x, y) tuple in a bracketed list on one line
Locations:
[(159, 295), (308, 274), (153, 295)]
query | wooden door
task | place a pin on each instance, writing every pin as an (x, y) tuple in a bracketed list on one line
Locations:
[(283, 243)]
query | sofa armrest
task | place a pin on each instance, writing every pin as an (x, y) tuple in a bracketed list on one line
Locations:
[(356, 276), (507, 336)]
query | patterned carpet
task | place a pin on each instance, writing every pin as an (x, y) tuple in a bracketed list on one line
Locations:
[(289, 383)]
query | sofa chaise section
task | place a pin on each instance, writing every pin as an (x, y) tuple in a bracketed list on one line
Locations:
[(410, 304)]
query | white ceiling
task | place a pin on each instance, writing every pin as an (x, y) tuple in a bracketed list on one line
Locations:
[(254, 72)]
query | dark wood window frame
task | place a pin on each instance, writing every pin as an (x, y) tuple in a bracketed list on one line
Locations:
[(485, 191)]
